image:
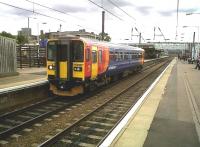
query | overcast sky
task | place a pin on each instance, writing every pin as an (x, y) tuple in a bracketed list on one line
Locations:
[(143, 14)]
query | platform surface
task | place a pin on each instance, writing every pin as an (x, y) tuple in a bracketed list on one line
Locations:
[(170, 115), (26, 76)]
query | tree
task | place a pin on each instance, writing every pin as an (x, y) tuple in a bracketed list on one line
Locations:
[(5, 34), (106, 37), (21, 39)]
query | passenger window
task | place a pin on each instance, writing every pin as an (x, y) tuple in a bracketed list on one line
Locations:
[(100, 56), (129, 56), (126, 56), (133, 56), (77, 48), (140, 55), (137, 55), (87, 55), (118, 57), (121, 56), (94, 56), (111, 56), (51, 51)]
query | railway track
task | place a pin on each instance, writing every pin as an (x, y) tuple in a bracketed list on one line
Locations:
[(21, 119), (90, 130), (18, 120)]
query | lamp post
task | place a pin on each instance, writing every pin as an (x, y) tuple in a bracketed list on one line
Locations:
[(194, 50), (28, 33), (198, 50), (194, 27), (38, 29), (191, 13)]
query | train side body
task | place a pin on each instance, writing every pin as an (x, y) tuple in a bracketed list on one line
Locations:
[(75, 65), (124, 59)]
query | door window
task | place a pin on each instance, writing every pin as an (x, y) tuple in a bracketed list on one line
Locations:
[(87, 55), (63, 52), (100, 56), (94, 57)]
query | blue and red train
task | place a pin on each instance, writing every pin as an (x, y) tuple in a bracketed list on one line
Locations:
[(76, 65)]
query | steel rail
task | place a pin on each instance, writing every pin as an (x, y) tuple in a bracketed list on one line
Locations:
[(60, 134), (17, 128), (134, 108)]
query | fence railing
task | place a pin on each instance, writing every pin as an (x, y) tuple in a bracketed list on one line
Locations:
[(30, 56)]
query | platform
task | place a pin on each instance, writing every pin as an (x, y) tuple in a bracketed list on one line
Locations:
[(12, 93), (169, 116), (30, 75), (25, 76)]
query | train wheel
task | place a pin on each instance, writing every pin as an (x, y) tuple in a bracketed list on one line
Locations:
[(92, 86), (114, 78), (86, 87), (140, 68), (50, 93), (107, 80)]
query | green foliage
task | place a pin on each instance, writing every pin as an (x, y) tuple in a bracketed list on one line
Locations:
[(21, 39), (106, 37), (5, 34)]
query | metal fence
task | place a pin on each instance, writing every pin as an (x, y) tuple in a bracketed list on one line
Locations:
[(7, 55), (30, 56)]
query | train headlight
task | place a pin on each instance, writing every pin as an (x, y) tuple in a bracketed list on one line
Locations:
[(61, 87), (50, 67), (77, 68)]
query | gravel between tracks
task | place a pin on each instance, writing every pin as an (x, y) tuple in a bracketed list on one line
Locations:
[(40, 133)]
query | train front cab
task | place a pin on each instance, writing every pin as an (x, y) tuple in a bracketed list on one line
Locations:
[(65, 66)]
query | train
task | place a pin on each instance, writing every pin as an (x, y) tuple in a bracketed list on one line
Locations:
[(77, 65)]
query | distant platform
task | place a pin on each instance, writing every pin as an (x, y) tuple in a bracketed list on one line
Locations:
[(169, 116), (28, 87), (25, 76)]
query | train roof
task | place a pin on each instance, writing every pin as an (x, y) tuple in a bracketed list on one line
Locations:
[(112, 46)]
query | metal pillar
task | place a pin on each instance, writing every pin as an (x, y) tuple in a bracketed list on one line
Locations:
[(193, 46), (103, 21), (140, 38)]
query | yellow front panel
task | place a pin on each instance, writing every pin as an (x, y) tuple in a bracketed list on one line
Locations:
[(50, 71), (76, 73), (94, 65), (63, 70)]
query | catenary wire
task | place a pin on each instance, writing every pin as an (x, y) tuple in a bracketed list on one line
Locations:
[(122, 10), (31, 11), (56, 10), (106, 10)]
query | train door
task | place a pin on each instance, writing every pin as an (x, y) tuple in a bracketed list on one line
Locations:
[(94, 70), (62, 61), (88, 61)]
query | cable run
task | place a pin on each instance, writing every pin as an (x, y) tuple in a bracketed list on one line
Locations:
[(56, 10), (31, 11), (122, 10), (105, 10)]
